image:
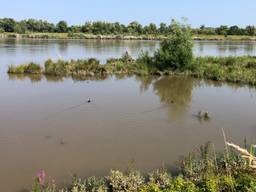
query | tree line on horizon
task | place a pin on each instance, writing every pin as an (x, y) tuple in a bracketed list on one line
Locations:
[(116, 28)]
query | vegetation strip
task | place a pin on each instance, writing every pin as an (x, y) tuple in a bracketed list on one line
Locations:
[(201, 171), (229, 69), (32, 28)]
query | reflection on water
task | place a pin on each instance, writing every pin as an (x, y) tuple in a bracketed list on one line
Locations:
[(175, 93), (224, 48), (32, 77)]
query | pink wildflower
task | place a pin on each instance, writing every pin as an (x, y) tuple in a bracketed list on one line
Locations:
[(41, 177)]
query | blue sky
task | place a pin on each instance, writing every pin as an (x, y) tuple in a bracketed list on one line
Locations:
[(208, 12)]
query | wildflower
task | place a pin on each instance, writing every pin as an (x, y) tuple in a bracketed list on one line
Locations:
[(41, 177)]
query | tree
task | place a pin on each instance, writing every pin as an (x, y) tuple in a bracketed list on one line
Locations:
[(222, 30), (150, 29), (234, 30), (176, 52), (250, 30), (62, 27), (135, 27), (19, 28), (7, 24), (163, 29)]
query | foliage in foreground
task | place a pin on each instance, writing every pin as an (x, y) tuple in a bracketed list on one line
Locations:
[(201, 171)]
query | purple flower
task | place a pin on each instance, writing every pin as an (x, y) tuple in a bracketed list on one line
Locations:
[(41, 177)]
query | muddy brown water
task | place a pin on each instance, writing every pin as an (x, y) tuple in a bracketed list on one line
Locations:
[(47, 124)]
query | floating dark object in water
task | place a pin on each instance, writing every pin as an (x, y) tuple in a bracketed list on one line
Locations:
[(172, 101), (203, 114), (89, 100), (62, 142)]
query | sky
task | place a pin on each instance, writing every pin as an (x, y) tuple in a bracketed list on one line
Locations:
[(207, 12)]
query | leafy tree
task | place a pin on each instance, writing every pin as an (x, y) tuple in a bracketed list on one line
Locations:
[(62, 27), (7, 24), (19, 28), (150, 29), (234, 30), (163, 29), (135, 27), (222, 30), (176, 52), (250, 30)]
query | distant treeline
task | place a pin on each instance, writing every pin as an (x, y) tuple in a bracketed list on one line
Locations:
[(105, 28)]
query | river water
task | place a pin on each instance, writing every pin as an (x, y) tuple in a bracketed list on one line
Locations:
[(47, 124)]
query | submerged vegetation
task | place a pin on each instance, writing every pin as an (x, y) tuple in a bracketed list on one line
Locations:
[(201, 171)]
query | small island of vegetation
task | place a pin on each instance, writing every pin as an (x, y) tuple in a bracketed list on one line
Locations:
[(174, 57)]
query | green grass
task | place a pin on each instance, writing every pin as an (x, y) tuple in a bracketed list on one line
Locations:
[(228, 69), (30, 68)]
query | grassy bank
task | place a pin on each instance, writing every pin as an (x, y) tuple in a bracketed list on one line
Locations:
[(122, 36), (201, 171), (226, 69), (81, 36)]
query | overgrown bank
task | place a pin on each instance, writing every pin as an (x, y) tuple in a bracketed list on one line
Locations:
[(9, 25), (201, 171), (155, 37), (228, 69)]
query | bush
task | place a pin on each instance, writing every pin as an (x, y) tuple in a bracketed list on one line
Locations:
[(151, 187), (161, 178), (119, 181), (181, 185), (31, 68), (176, 52), (209, 184), (246, 183)]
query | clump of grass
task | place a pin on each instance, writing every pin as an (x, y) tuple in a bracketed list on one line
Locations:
[(30, 68)]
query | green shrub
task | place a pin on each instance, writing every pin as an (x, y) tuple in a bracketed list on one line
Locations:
[(130, 182), (161, 178), (246, 183), (176, 52), (151, 187), (209, 184), (33, 68), (226, 183)]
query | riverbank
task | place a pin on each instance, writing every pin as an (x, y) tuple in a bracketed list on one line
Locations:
[(122, 37), (201, 171), (240, 70)]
